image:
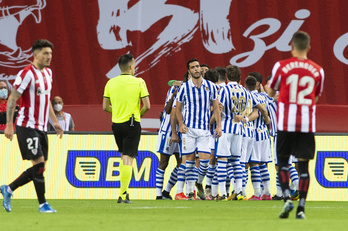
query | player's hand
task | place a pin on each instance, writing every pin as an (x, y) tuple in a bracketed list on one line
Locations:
[(275, 98), (268, 120), (218, 132), (175, 138), (261, 88), (59, 129), (238, 118), (183, 129), (9, 132)]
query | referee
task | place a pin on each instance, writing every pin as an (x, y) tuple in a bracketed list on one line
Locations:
[(122, 97)]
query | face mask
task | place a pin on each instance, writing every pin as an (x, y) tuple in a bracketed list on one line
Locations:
[(58, 107), (3, 93)]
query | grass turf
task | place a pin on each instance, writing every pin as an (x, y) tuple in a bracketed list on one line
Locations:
[(172, 215)]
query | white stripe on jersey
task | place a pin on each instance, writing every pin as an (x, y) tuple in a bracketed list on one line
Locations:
[(280, 116), (196, 103), (292, 117), (304, 118), (313, 117)]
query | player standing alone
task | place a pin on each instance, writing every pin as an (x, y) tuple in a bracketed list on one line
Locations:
[(300, 83), (33, 84)]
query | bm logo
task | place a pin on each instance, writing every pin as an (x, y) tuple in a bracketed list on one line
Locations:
[(100, 169), (332, 169)]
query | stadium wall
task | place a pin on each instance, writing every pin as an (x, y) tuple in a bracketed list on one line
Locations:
[(330, 118), (85, 166)]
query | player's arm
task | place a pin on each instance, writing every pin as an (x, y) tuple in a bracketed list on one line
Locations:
[(253, 115), (54, 119), (169, 104), (316, 99), (107, 105), (146, 105), (217, 115), (272, 93), (264, 113), (173, 122), (11, 106), (183, 128), (239, 118)]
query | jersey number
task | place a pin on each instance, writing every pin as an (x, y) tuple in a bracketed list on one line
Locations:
[(239, 104), (305, 80), (33, 143)]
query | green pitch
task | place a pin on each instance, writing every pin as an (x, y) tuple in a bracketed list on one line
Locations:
[(172, 215)]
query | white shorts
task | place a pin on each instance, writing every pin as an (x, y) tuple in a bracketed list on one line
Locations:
[(165, 146), (212, 140), (229, 145), (195, 139), (261, 152), (247, 149), (292, 159)]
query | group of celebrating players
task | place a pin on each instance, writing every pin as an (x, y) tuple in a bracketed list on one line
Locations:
[(248, 119), (221, 130)]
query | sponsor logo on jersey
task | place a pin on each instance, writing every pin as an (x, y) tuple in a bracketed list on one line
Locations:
[(332, 169), (100, 169)]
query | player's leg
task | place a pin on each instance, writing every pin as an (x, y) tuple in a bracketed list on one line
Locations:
[(223, 152), (211, 169), (164, 159), (236, 153), (305, 151), (255, 170), (294, 186), (190, 176), (285, 146), (173, 178), (204, 152)]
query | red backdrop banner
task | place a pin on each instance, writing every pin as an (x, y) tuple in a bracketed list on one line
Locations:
[(89, 36)]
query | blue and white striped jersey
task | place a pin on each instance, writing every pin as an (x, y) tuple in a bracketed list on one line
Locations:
[(261, 131), (165, 124), (196, 103), (234, 98), (272, 111), (248, 128), (213, 125)]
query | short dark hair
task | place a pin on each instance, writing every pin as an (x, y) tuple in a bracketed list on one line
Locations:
[(257, 75), (222, 73), (204, 65), (233, 73), (41, 43), (211, 75), (250, 83), (191, 61), (124, 60), (300, 40)]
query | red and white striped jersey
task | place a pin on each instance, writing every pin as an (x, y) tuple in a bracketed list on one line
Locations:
[(35, 87), (299, 81)]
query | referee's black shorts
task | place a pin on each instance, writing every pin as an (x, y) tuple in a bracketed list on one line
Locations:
[(127, 136), (298, 144), (32, 143)]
